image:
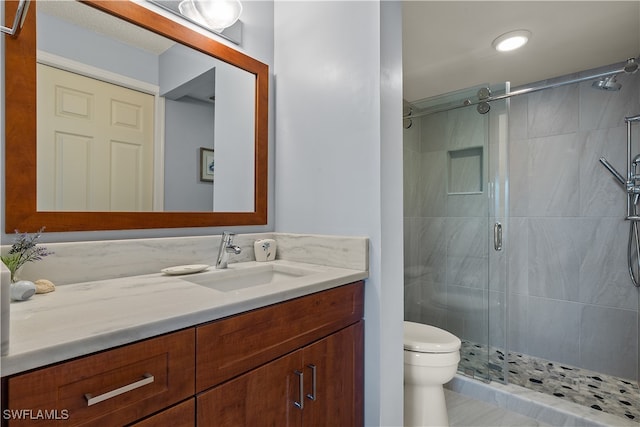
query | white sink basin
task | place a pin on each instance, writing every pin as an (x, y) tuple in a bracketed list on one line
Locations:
[(237, 277)]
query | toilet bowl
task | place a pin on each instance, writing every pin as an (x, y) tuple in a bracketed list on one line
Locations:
[(431, 357)]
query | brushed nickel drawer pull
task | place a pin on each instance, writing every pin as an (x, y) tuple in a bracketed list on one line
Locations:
[(312, 395), (300, 403), (91, 400)]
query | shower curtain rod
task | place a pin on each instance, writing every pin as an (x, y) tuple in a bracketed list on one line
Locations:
[(468, 102)]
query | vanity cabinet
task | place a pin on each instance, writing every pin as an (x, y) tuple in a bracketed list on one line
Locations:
[(318, 385), (237, 344), (298, 362), (258, 368)]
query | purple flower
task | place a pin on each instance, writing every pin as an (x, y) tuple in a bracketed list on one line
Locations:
[(24, 250)]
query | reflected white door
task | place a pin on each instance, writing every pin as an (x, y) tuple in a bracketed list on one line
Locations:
[(95, 144)]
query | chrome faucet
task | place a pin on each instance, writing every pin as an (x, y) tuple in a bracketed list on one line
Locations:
[(226, 247)]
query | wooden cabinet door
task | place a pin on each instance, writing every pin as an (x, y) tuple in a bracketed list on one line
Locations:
[(265, 396), (235, 345), (335, 396), (181, 415)]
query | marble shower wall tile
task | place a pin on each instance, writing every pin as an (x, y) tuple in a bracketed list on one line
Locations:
[(554, 330), (425, 183), (600, 193), (432, 188), (604, 276), (497, 315), (433, 250), (553, 112), (412, 308), (518, 255), (554, 258), (431, 302), (553, 176), (433, 132), (466, 128), (518, 123), (467, 313), (518, 315), (607, 337), (467, 205), (425, 249), (467, 248), (424, 255), (518, 178), (412, 185)]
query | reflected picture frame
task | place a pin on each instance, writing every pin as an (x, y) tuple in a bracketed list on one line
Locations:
[(206, 164)]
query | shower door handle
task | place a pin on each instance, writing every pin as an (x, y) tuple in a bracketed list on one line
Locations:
[(497, 236)]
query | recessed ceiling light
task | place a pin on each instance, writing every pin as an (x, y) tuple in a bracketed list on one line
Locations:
[(511, 40)]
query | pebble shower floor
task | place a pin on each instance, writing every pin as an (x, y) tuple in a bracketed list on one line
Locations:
[(606, 393)]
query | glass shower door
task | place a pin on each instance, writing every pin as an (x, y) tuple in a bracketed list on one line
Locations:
[(455, 213)]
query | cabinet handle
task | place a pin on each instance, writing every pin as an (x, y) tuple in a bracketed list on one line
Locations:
[(312, 395), (300, 403), (91, 400)]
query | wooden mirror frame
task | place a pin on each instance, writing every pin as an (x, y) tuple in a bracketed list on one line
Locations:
[(20, 138)]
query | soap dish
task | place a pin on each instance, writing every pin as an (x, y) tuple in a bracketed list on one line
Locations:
[(184, 269)]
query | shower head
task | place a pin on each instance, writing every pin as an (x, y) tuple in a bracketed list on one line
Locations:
[(607, 83)]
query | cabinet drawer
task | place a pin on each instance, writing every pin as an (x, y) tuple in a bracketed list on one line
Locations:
[(229, 347), (114, 387), (182, 415)]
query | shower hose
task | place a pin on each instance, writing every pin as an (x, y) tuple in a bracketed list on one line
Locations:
[(634, 246)]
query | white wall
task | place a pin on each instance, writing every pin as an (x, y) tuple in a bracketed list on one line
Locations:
[(338, 74)]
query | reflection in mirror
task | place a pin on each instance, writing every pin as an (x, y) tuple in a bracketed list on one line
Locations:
[(113, 97), (233, 192)]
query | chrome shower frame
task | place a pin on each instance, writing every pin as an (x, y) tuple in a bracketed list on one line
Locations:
[(484, 96)]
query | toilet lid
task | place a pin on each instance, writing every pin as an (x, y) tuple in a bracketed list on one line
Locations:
[(429, 339)]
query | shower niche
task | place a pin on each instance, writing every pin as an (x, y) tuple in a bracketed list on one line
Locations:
[(465, 169)]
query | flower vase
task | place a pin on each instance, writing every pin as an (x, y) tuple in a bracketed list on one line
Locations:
[(22, 290)]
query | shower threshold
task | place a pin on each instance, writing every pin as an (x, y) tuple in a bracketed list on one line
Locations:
[(605, 393)]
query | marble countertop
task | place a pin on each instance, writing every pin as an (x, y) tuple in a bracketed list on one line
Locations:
[(82, 318)]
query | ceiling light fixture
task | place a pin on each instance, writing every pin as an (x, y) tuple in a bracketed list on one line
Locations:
[(214, 14), (511, 40)]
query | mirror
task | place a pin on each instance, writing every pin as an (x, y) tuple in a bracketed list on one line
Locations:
[(31, 206)]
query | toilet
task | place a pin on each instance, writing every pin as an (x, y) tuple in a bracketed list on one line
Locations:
[(431, 357)]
